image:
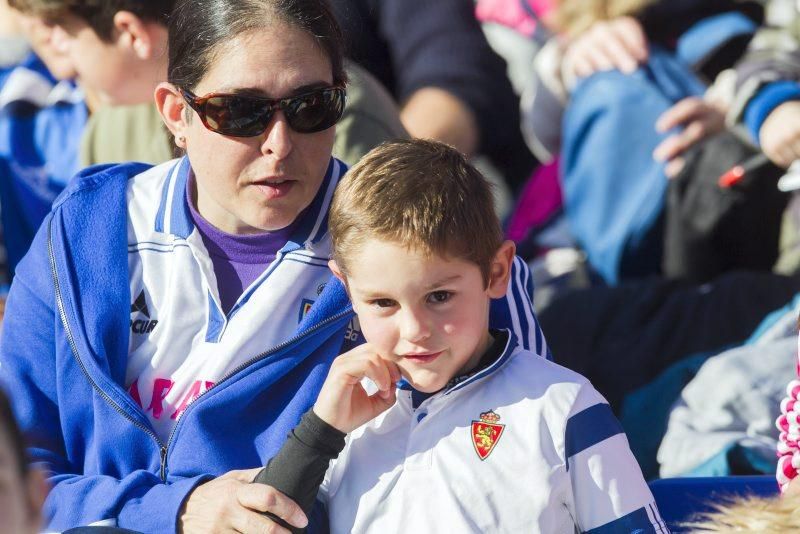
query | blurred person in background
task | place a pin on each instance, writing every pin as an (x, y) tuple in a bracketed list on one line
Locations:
[(450, 85), (625, 79)]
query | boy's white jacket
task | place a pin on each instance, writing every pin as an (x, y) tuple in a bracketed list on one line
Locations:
[(67, 335), (524, 445)]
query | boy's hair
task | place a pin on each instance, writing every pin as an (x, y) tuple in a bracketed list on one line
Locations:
[(423, 195), (15, 439), (98, 14)]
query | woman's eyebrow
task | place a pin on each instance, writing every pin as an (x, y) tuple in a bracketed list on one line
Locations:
[(257, 91)]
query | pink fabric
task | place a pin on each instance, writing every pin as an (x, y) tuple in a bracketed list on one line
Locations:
[(511, 13), (788, 423), (539, 201)]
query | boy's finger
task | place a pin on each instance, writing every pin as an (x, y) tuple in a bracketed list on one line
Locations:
[(378, 372)]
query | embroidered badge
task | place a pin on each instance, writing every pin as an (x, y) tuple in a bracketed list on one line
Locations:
[(305, 306), (486, 433)]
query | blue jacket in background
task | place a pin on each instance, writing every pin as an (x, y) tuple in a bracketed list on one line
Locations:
[(41, 125)]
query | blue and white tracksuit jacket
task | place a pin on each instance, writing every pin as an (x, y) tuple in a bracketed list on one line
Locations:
[(41, 125), (524, 445), (71, 322)]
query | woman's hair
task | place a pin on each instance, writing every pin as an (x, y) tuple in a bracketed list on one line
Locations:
[(199, 30), (9, 424), (765, 515), (573, 17)]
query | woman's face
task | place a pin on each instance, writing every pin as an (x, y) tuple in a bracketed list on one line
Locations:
[(255, 184)]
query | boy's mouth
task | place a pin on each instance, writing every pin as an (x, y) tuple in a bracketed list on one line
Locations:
[(423, 357)]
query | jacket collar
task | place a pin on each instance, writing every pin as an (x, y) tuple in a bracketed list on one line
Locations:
[(459, 383)]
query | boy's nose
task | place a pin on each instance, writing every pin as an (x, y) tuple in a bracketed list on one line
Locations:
[(414, 327)]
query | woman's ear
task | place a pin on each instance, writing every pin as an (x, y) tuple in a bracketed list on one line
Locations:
[(171, 105), (500, 269)]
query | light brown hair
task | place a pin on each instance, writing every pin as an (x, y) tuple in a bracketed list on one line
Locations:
[(423, 195), (573, 17), (765, 515)]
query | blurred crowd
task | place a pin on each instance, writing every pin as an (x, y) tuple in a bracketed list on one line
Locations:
[(644, 160)]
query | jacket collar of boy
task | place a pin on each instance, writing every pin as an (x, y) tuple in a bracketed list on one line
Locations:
[(462, 381)]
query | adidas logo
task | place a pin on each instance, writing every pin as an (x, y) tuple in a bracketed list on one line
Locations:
[(142, 326)]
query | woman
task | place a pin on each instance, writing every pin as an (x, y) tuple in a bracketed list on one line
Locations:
[(172, 323)]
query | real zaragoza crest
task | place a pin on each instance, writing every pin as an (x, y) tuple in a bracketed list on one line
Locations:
[(486, 433)]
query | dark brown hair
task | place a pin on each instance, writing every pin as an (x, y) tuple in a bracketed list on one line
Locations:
[(198, 30), (98, 14)]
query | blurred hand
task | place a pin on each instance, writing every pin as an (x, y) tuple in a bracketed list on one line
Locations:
[(231, 503), (343, 403), (697, 119), (780, 134), (613, 44)]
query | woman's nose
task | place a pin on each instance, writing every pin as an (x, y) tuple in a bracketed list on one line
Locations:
[(277, 138)]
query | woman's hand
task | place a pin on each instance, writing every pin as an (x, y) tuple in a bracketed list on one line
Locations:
[(610, 44), (231, 503), (343, 403)]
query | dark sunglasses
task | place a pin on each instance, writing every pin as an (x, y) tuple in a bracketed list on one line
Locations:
[(247, 116)]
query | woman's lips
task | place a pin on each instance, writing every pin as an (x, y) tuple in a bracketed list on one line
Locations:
[(275, 189), (422, 358)]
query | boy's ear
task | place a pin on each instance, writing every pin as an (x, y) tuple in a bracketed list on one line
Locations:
[(171, 105), (337, 272), (133, 33), (500, 269)]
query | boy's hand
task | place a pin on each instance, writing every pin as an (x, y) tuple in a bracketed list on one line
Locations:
[(343, 403)]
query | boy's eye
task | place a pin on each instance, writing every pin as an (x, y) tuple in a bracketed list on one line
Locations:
[(383, 303), (439, 296)]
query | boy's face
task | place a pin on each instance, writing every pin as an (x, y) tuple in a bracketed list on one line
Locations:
[(40, 35), (109, 70), (430, 315)]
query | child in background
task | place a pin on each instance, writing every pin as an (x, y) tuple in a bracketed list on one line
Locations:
[(22, 489), (467, 431)]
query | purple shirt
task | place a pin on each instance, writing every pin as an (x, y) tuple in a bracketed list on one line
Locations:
[(238, 259)]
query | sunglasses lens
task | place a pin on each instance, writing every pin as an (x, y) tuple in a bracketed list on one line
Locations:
[(317, 111), (236, 115)]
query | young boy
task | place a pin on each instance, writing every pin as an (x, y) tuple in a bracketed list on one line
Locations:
[(467, 431)]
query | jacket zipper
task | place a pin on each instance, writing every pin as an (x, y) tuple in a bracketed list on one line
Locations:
[(162, 448), (63, 314), (254, 360)]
